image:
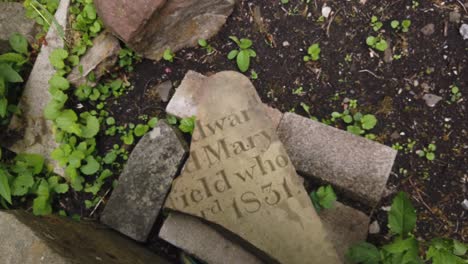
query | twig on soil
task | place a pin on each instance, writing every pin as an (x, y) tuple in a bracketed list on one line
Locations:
[(331, 20), (100, 201), (371, 73), (462, 5)]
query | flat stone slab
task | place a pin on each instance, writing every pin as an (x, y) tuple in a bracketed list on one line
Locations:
[(27, 239), (346, 226), (203, 241), (38, 135), (239, 177), (358, 166), (13, 20), (145, 181), (98, 59)]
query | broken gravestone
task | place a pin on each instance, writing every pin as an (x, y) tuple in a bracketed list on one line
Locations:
[(239, 177), (346, 226), (359, 166), (37, 132), (143, 185), (28, 239), (151, 26), (102, 55), (13, 20)]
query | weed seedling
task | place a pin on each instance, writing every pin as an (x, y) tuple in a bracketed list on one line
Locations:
[(313, 53), (377, 43), (168, 55), (323, 198), (428, 152), (403, 26), (243, 53), (376, 24), (204, 44), (456, 94)]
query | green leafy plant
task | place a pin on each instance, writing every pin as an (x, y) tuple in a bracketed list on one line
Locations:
[(313, 53), (377, 43), (375, 23), (253, 75), (456, 94), (127, 59), (205, 45), (243, 53), (187, 125), (42, 12), (404, 247), (168, 55), (428, 152), (323, 198), (403, 26), (357, 123)]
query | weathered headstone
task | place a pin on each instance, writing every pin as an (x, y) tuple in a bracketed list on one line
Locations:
[(332, 155), (358, 166), (240, 177), (13, 20), (151, 26), (143, 185), (346, 227), (98, 59), (38, 136), (27, 239)]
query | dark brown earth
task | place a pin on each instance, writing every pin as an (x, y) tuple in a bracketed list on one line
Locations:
[(392, 91)]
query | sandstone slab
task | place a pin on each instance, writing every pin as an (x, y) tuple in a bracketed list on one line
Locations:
[(346, 226), (37, 133), (27, 239), (13, 20), (145, 181), (127, 18), (239, 177), (358, 166), (102, 55)]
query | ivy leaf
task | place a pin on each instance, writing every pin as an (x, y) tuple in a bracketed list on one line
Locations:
[(368, 121), (110, 157), (92, 127), (187, 125), (243, 60), (21, 184), (56, 58), (41, 205), (5, 191), (364, 253), (58, 82), (9, 74), (75, 158), (356, 130), (66, 121), (34, 161), (91, 167), (402, 215), (326, 196), (61, 188), (140, 130), (19, 43)]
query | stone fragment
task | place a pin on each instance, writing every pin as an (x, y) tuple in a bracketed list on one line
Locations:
[(239, 177), (184, 102), (454, 17), (464, 31), (326, 10), (38, 136), (203, 241), (374, 227), (346, 226), (99, 59), (176, 24), (465, 204), (13, 20), (358, 166), (161, 91), (126, 19), (431, 99), (428, 29), (58, 240), (145, 181)]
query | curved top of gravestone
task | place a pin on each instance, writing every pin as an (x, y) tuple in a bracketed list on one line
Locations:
[(240, 177)]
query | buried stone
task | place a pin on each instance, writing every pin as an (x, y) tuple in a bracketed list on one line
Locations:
[(240, 178)]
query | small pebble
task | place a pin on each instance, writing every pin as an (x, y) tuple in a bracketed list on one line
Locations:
[(386, 208), (465, 204), (326, 10), (431, 99), (428, 29), (374, 227), (464, 31), (286, 44)]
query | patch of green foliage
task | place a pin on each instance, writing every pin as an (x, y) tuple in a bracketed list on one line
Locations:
[(376, 24), (403, 26), (456, 94), (127, 58), (42, 12), (243, 53), (11, 65), (377, 43), (357, 123), (405, 248), (313, 53), (323, 198), (428, 152), (205, 45), (168, 55)]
